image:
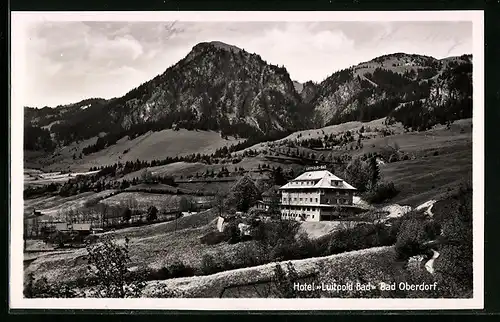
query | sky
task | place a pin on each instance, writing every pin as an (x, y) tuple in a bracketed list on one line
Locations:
[(66, 62)]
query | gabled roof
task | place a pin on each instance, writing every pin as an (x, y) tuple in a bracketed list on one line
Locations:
[(315, 175), (271, 191), (322, 179)]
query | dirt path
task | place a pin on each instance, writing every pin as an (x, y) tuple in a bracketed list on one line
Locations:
[(429, 266)]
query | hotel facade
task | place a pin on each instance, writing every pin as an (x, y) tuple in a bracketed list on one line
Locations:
[(316, 195)]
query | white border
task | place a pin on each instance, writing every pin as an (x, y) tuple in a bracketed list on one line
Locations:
[(20, 19)]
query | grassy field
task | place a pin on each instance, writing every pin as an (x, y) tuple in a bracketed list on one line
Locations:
[(184, 169), (55, 205), (40, 178), (431, 177), (152, 145), (142, 200), (157, 188)]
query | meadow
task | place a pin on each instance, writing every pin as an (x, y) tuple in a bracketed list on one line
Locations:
[(149, 146)]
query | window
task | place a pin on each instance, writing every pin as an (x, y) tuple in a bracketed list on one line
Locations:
[(294, 199), (326, 200), (300, 199), (310, 199), (315, 199)]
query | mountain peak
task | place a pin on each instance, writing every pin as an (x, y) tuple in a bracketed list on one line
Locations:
[(220, 45)]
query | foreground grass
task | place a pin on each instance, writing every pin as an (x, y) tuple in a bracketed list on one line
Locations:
[(374, 264)]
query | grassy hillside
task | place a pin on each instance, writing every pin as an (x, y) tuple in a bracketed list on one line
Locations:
[(430, 177), (153, 246), (143, 200), (149, 146), (56, 205)]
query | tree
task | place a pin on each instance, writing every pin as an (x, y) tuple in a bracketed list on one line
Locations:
[(220, 203), (186, 204), (152, 213), (357, 173), (147, 176), (127, 215), (107, 261), (374, 173), (274, 206), (244, 194), (278, 177)]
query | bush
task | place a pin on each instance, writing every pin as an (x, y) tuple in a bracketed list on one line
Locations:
[(179, 269), (209, 265), (251, 254), (41, 288), (232, 233), (360, 237), (454, 271), (393, 158), (410, 239), (213, 238), (381, 192)]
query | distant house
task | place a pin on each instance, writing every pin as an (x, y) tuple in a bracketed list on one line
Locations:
[(261, 205), (268, 197), (62, 226), (315, 195), (81, 228)]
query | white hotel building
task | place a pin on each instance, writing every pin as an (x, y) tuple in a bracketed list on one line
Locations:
[(316, 195)]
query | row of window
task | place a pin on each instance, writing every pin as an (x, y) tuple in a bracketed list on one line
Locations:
[(300, 183), (327, 201), (301, 208), (294, 215), (300, 199), (337, 192), (336, 201)]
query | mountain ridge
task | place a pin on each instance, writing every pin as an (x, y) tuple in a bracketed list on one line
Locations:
[(221, 87)]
